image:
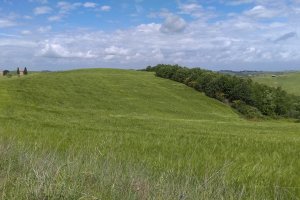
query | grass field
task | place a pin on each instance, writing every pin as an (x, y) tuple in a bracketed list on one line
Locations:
[(288, 81), (117, 134)]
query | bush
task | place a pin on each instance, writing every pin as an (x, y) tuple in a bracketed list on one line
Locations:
[(5, 72), (246, 110)]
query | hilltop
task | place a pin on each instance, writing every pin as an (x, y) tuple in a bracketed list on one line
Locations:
[(121, 134)]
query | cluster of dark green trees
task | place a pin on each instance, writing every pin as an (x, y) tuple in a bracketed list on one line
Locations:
[(25, 72), (251, 99)]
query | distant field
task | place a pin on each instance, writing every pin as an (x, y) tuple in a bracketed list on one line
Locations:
[(288, 81), (117, 134)]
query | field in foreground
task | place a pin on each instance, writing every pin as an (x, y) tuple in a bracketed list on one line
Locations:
[(116, 134), (288, 81)]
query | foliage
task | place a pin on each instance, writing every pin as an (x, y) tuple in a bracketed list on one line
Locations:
[(5, 72), (25, 71), (253, 98), (248, 111)]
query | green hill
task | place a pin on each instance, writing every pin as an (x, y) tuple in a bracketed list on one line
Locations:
[(288, 81), (120, 134)]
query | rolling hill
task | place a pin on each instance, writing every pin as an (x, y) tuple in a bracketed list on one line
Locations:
[(288, 81), (121, 134)]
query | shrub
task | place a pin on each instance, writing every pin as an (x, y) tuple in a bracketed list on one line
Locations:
[(5, 72), (248, 111)]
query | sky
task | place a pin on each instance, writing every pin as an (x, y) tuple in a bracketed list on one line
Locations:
[(132, 34)]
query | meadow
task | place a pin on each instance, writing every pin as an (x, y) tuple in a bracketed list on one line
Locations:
[(123, 134), (288, 81)]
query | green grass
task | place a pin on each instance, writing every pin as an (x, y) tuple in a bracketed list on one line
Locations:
[(117, 134), (288, 81)]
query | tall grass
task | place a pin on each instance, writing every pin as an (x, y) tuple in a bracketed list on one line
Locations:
[(113, 134), (39, 174)]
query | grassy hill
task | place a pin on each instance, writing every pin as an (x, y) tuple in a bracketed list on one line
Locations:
[(120, 134), (288, 81)]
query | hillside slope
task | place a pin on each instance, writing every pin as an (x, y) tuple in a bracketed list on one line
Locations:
[(119, 134), (116, 93), (288, 81)]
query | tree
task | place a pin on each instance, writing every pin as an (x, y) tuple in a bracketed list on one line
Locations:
[(149, 68), (18, 71), (25, 71), (5, 72)]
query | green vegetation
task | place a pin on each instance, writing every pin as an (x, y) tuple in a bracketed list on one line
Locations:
[(288, 81), (25, 71), (120, 134), (250, 98)]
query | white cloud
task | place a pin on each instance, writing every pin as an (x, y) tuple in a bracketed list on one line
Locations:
[(113, 50), (238, 2), (105, 8), (192, 9), (261, 12), (55, 18), (4, 23), (26, 32), (173, 24), (44, 29), (27, 17), (39, 1), (90, 5), (42, 10), (66, 7), (55, 50)]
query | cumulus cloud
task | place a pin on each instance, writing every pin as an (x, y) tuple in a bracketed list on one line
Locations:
[(173, 24), (55, 50)]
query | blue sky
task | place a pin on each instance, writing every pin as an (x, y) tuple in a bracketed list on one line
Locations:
[(212, 34)]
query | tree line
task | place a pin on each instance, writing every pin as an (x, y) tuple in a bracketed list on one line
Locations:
[(250, 98)]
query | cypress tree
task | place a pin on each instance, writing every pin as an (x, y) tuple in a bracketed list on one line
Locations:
[(18, 71), (25, 71)]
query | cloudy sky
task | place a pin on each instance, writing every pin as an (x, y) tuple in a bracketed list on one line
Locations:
[(212, 34)]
